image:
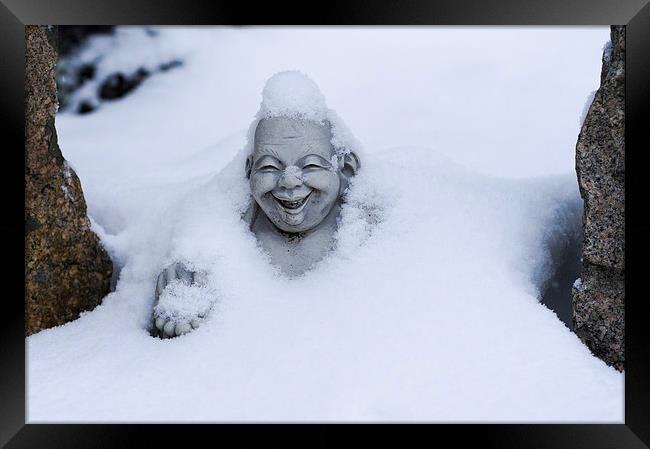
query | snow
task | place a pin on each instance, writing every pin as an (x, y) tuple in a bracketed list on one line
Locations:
[(68, 179), (427, 307), (126, 51), (196, 300), (577, 284), (292, 94), (607, 51), (587, 105)]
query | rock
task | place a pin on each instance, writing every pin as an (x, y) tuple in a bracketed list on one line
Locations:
[(67, 270), (86, 107), (598, 300), (118, 84)]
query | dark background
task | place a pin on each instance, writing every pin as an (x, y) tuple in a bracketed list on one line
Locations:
[(14, 14)]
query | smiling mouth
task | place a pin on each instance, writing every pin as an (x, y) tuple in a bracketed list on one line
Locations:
[(294, 206)]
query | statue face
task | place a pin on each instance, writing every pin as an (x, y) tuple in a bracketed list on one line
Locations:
[(294, 176)]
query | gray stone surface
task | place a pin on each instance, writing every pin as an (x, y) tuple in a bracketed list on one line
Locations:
[(67, 271), (598, 300)]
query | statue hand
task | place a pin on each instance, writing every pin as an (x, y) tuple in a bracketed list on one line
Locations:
[(164, 326)]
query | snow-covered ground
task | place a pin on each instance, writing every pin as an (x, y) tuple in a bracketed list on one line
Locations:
[(430, 314)]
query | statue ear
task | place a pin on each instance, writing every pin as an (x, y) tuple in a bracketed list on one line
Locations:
[(351, 165), (249, 165)]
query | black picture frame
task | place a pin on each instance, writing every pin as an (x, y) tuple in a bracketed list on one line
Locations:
[(635, 14)]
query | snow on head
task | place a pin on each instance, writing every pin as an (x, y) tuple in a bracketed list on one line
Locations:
[(293, 94)]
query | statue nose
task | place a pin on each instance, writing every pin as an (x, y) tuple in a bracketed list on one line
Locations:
[(291, 178)]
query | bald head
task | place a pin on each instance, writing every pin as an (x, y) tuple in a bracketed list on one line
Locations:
[(291, 131)]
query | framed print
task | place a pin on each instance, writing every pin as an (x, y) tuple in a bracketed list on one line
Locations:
[(397, 214)]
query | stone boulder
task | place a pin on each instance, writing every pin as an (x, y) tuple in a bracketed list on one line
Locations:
[(67, 270), (598, 297)]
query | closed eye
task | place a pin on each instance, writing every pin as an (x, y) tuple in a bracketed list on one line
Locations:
[(268, 167), (313, 166)]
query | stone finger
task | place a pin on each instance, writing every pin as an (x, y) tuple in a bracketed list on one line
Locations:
[(170, 274), (161, 283), (195, 323), (160, 323), (169, 329), (183, 328)]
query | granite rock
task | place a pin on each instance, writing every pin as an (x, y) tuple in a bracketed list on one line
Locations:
[(598, 299), (67, 270)]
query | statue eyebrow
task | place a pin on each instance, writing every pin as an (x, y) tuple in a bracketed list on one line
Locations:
[(266, 159), (269, 152), (316, 156)]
